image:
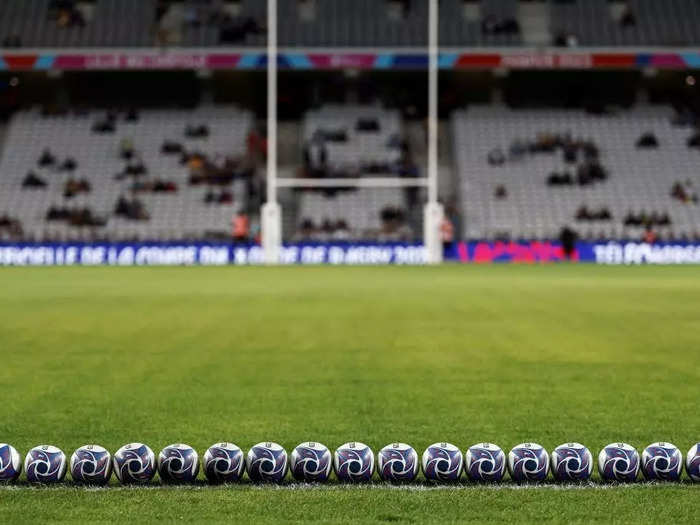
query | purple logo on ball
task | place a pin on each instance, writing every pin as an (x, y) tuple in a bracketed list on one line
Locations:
[(397, 462), (10, 463), (223, 463), (91, 464), (528, 462), (662, 461), (134, 463), (442, 462), (45, 464), (267, 462), (618, 462), (311, 462), (178, 463), (485, 462), (354, 461), (572, 462)]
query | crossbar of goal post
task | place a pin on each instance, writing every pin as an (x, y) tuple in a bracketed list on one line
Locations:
[(271, 216)]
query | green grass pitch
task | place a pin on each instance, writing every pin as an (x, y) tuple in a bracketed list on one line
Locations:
[(456, 353)]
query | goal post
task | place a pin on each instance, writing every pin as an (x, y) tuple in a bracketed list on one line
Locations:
[(271, 213), (433, 213)]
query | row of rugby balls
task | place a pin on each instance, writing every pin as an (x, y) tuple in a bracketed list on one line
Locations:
[(312, 462)]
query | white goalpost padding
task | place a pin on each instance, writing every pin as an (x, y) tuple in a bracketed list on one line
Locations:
[(271, 213)]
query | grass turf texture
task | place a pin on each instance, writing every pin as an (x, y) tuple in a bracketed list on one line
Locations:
[(456, 353)]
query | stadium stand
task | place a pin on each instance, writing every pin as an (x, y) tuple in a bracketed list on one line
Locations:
[(635, 23), (340, 23), (354, 140), (362, 213), (487, 23), (504, 174), (180, 198)]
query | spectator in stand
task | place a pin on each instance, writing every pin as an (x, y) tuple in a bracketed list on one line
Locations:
[(240, 227), (500, 192), (568, 237), (316, 158), (47, 158), (649, 236), (447, 234), (197, 132), (32, 180), (70, 164), (628, 18), (10, 228), (496, 157), (683, 192), (66, 13), (341, 231), (325, 233), (126, 148), (74, 187), (306, 231), (135, 167), (648, 140), (394, 227), (131, 209), (12, 41)]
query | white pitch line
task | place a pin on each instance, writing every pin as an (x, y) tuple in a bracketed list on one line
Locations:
[(365, 487)]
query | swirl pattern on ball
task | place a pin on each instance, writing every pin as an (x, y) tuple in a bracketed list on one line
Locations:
[(528, 462), (485, 462), (45, 464), (397, 462), (10, 463), (572, 462), (134, 463), (91, 464), (223, 463), (442, 462), (354, 461), (267, 461), (178, 463), (662, 461), (311, 461), (692, 462), (618, 462)]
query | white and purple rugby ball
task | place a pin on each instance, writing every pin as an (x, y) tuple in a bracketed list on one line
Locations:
[(485, 462), (45, 464), (178, 463), (267, 462), (398, 462), (223, 463), (572, 462), (311, 461), (618, 462), (692, 462), (442, 462), (662, 461), (353, 461), (91, 464), (134, 463), (10, 463), (528, 462)]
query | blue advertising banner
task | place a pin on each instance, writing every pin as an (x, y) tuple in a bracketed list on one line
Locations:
[(184, 254), (168, 254)]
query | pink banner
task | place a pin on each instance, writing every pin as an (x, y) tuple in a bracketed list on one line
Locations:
[(145, 61), (344, 60)]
